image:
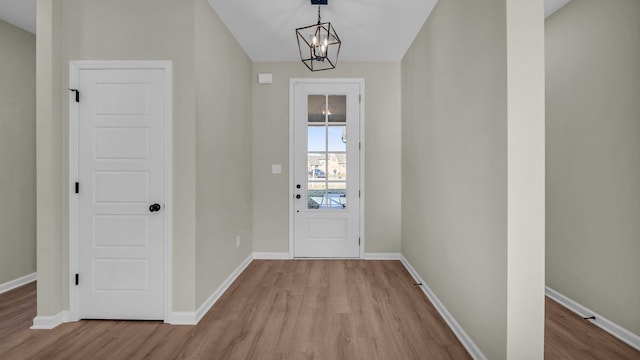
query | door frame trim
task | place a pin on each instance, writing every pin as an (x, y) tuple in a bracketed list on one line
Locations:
[(292, 84), (74, 69)]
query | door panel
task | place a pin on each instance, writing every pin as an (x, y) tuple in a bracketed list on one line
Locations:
[(122, 143), (120, 275), (121, 230), (326, 213), (121, 187), (121, 243), (327, 228)]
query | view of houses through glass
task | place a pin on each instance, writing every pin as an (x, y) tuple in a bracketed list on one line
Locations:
[(327, 152)]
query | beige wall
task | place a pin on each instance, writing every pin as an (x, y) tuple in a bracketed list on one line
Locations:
[(223, 152), (149, 30), (51, 248), (593, 157), (525, 180), (114, 30), (271, 146), (461, 91), (125, 30), (454, 165), (17, 152)]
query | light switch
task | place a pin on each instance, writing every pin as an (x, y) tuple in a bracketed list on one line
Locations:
[(276, 169)]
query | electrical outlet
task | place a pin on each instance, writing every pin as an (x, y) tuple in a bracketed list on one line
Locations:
[(237, 241), (276, 169)]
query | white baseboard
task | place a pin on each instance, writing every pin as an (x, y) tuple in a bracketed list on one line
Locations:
[(182, 318), (464, 338), (382, 256), (206, 306), (600, 321), (193, 317), (287, 256), (271, 256), (50, 322), (16, 283)]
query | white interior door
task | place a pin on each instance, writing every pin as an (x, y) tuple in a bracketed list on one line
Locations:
[(326, 167), (121, 198)]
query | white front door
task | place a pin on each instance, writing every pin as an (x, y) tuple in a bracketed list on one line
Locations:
[(326, 156), (121, 118)]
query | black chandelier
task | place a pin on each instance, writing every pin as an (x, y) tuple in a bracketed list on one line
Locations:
[(319, 44)]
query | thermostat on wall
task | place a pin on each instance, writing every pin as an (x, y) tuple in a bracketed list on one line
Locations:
[(265, 79)]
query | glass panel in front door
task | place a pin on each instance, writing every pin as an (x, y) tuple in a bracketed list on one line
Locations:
[(327, 152)]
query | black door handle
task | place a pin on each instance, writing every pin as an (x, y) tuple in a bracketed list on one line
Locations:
[(298, 196), (154, 207)]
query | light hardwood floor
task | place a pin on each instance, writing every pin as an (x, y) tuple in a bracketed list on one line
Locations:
[(568, 336), (318, 309)]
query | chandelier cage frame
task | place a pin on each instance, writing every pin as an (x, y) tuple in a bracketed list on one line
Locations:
[(319, 45)]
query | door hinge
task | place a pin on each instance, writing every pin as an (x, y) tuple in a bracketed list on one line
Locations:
[(358, 193), (359, 98), (77, 188), (77, 94), (359, 241), (359, 146), (77, 279)]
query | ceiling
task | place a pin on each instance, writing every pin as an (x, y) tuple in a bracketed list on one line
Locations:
[(376, 30), (21, 13), (551, 6), (373, 30)]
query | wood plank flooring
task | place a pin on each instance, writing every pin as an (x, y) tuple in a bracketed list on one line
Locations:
[(568, 336), (317, 309)]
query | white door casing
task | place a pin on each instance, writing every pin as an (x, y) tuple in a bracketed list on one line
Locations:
[(326, 166), (120, 157)]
